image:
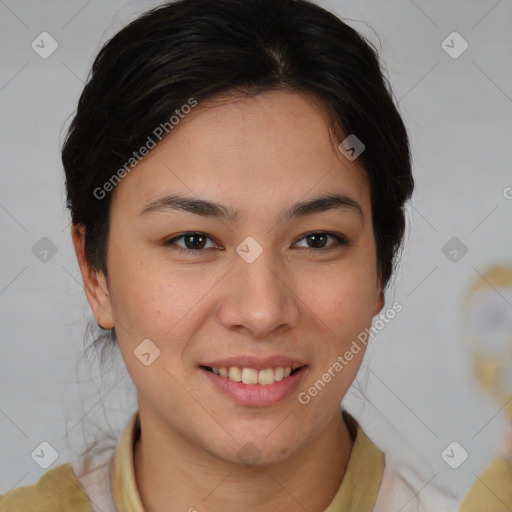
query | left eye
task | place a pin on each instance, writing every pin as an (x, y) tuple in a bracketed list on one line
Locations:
[(196, 241), (321, 237)]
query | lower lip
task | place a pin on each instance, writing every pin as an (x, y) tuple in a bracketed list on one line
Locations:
[(257, 395)]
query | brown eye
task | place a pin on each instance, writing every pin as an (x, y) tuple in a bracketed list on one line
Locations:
[(193, 241), (318, 241)]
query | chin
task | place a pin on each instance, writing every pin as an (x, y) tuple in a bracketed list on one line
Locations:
[(255, 452)]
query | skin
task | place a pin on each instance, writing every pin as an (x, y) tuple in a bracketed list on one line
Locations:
[(272, 150)]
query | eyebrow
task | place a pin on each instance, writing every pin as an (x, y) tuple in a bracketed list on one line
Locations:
[(207, 208)]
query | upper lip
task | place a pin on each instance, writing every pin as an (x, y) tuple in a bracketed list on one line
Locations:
[(258, 363)]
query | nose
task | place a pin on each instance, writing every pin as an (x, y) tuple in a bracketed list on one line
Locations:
[(259, 298)]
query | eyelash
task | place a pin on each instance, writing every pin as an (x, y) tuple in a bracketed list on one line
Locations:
[(339, 242)]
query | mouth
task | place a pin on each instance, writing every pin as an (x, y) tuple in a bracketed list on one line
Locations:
[(247, 375), (256, 387)]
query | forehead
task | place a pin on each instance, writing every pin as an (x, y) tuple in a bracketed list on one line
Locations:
[(265, 149)]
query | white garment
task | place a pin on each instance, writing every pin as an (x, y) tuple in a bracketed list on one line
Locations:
[(402, 490), (93, 473)]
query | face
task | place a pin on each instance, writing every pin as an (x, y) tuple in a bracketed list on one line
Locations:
[(257, 285)]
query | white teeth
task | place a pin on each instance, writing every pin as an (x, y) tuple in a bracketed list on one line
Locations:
[(249, 376), (266, 376), (235, 374), (253, 376)]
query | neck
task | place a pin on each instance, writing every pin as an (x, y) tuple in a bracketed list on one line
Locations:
[(172, 476)]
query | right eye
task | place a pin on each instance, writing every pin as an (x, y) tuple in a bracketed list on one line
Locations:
[(194, 241)]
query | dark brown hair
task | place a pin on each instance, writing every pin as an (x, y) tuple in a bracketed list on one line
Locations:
[(201, 48)]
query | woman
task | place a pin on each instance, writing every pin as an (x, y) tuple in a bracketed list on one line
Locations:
[(236, 173)]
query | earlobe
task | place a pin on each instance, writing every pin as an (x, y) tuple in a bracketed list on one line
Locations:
[(379, 302), (95, 284), (379, 298)]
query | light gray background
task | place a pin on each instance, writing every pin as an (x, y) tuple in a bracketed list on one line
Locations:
[(420, 394)]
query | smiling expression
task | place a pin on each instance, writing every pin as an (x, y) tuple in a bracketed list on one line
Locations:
[(235, 179)]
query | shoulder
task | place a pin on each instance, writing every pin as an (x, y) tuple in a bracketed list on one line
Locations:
[(58, 490), (492, 490), (403, 488)]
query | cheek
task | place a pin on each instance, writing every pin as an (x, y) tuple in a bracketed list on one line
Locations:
[(342, 295), (143, 295), (151, 296)]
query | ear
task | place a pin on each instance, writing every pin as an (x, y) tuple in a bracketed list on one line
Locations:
[(379, 296), (95, 284)]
